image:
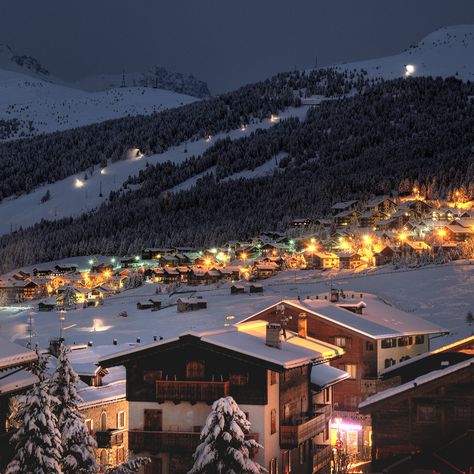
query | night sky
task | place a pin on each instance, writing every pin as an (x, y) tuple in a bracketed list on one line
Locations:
[(226, 43)]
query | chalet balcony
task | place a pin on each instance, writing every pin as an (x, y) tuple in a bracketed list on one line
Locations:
[(301, 429), (322, 408), (190, 391), (109, 438), (167, 441), (321, 458)]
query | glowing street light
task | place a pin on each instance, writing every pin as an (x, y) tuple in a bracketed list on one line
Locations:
[(409, 70), (243, 256), (311, 248), (79, 183)]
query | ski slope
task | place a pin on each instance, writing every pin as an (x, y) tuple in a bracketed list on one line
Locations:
[(43, 106), (446, 52), (68, 199)]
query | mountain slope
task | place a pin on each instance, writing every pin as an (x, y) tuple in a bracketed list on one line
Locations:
[(40, 106), (446, 52)]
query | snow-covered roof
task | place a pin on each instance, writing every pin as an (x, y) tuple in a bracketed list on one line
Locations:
[(98, 395), (434, 375), (324, 375), (12, 355), (379, 320), (343, 205), (250, 339), (12, 380)]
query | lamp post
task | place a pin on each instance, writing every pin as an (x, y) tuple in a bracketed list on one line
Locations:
[(62, 318)]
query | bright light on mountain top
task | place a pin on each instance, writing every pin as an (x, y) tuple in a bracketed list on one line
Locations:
[(409, 69), (79, 183)]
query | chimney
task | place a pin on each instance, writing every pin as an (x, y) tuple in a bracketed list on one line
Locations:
[(115, 342), (273, 335), (334, 296), (302, 325)]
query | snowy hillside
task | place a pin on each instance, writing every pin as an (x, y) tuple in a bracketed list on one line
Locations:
[(33, 106), (442, 294), (446, 52), (12, 61), (73, 196)]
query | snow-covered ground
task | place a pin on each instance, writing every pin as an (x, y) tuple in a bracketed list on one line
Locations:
[(441, 294), (67, 199), (51, 106), (446, 52)]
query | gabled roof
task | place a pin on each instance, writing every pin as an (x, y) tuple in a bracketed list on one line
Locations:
[(344, 204), (434, 375), (379, 320), (246, 341), (323, 375), (14, 355)]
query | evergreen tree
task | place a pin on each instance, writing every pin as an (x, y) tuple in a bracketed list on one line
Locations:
[(37, 442), (68, 298), (223, 447), (78, 445), (130, 466)]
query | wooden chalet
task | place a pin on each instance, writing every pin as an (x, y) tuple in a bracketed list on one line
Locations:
[(422, 208), (425, 424), (343, 206), (346, 218), (301, 223), (382, 205), (349, 260), (386, 255), (280, 381), (371, 218), (192, 303)]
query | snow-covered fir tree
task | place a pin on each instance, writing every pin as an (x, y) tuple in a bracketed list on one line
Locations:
[(223, 447), (37, 442), (130, 466), (77, 444), (68, 298)]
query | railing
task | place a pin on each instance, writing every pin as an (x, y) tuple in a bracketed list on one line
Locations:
[(323, 409), (292, 435), (167, 441), (186, 391), (321, 458), (109, 438)]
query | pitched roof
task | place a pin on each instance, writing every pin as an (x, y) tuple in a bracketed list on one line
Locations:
[(12, 355), (379, 320), (344, 204), (249, 339), (324, 375), (434, 375)]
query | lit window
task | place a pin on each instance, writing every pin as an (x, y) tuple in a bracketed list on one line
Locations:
[(121, 419), (405, 341), (426, 413), (90, 425), (351, 369), (389, 343)]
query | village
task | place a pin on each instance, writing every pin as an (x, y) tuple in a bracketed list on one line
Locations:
[(156, 338), (404, 231)]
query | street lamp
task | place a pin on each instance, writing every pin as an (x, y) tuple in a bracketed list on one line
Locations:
[(62, 318)]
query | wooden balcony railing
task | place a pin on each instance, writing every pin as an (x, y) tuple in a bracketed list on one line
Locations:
[(292, 435), (186, 391), (109, 438), (323, 409), (321, 458), (167, 441)]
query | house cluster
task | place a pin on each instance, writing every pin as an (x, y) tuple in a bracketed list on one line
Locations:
[(377, 231), (89, 286), (341, 368)]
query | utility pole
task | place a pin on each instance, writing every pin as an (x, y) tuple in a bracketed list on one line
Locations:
[(316, 62), (123, 78), (30, 330)]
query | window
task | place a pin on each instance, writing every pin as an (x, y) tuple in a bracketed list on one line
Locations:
[(273, 378), (405, 341), (388, 343), (403, 358), (286, 461), (389, 362), (238, 379), (121, 420), (195, 370), (120, 455), (303, 405), (150, 376), (273, 417), (90, 425), (273, 466), (463, 413), (420, 339), (344, 342), (351, 369), (426, 413), (103, 421), (369, 346), (327, 394)]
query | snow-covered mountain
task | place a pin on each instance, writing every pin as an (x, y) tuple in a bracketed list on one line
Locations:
[(446, 52), (32, 101), (157, 77)]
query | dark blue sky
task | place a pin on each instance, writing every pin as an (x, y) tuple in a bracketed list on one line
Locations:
[(226, 43)]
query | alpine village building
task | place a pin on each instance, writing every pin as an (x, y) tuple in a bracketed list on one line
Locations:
[(374, 336), (280, 379)]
